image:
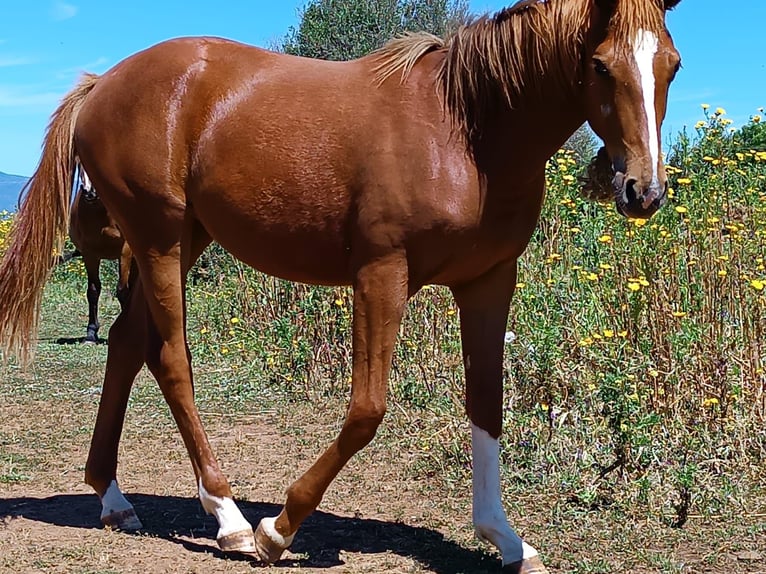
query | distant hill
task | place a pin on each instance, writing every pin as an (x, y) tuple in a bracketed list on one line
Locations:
[(10, 187)]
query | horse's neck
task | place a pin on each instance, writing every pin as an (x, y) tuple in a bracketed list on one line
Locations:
[(522, 140)]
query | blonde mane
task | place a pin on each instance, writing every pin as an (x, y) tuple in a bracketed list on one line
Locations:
[(500, 60)]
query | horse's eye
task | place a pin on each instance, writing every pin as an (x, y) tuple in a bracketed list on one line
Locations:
[(600, 67)]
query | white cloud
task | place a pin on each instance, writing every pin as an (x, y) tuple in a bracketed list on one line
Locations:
[(18, 98), (8, 61), (63, 10)]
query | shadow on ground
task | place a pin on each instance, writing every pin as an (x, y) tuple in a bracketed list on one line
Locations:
[(320, 541), (77, 341)]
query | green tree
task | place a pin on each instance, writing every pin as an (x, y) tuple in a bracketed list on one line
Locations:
[(752, 136), (346, 29)]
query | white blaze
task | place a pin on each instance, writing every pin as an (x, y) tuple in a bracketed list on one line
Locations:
[(644, 50), (489, 518)]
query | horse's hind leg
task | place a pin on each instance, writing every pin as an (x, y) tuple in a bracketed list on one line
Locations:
[(484, 306), (127, 347), (380, 295), (127, 342), (92, 265), (168, 359)]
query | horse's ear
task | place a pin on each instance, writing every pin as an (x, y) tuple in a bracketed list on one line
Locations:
[(670, 4)]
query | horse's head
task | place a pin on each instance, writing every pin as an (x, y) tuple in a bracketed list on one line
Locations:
[(627, 76)]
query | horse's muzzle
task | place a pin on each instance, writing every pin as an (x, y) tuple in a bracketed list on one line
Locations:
[(634, 201)]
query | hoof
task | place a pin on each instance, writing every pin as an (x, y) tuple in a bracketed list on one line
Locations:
[(125, 520), (269, 551), (241, 541), (529, 566)]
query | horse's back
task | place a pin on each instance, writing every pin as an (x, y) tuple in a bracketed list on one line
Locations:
[(274, 150)]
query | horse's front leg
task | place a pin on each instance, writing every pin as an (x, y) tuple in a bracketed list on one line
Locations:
[(484, 305), (380, 295)]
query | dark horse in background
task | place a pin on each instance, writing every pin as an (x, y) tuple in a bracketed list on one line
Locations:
[(423, 163), (96, 237)]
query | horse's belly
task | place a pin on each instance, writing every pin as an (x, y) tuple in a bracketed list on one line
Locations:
[(292, 246)]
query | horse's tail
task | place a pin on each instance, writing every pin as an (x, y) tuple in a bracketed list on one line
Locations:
[(39, 228)]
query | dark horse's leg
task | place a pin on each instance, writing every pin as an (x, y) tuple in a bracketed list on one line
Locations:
[(127, 347), (380, 295), (484, 306), (92, 265)]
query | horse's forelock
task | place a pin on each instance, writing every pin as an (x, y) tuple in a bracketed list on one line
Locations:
[(630, 16)]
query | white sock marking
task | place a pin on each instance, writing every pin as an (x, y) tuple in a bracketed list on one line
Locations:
[(271, 531), (226, 512), (489, 519), (644, 50), (114, 501)]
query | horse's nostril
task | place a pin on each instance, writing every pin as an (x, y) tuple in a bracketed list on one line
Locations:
[(630, 191)]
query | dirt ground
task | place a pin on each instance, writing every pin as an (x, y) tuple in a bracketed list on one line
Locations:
[(380, 515), (374, 519)]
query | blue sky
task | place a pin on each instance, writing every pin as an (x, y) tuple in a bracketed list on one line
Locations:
[(45, 44)]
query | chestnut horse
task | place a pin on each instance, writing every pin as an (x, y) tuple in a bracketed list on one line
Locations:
[(96, 236), (422, 163)]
